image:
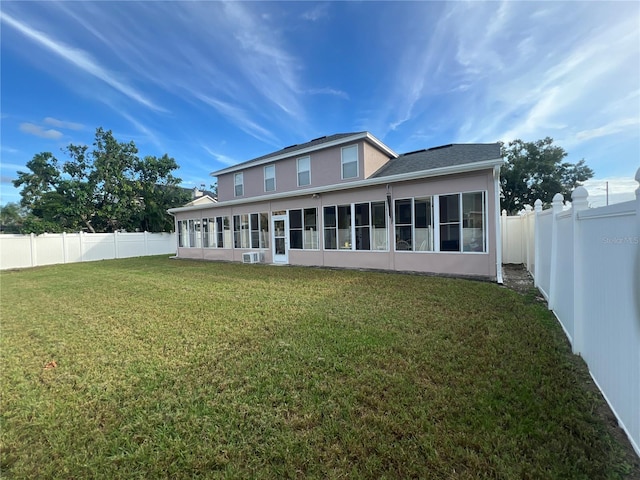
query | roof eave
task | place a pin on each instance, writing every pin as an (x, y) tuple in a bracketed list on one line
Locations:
[(402, 177)]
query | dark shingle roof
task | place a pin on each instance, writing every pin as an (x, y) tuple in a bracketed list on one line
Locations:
[(439, 157), (300, 146)]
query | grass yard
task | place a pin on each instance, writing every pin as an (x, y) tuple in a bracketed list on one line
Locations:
[(183, 369)]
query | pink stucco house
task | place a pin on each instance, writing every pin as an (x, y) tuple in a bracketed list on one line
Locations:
[(348, 200)]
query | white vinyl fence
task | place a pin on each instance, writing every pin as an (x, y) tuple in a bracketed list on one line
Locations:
[(586, 263), (21, 251)]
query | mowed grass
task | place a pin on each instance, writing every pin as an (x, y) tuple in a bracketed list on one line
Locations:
[(183, 369)]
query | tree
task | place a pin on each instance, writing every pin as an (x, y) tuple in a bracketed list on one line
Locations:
[(535, 170), (11, 217), (102, 189)]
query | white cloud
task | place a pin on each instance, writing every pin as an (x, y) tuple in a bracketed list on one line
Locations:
[(78, 58), (223, 159), (240, 118), (611, 190), (38, 131), (316, 13), (329, 91), (54, 122), (610, 129)]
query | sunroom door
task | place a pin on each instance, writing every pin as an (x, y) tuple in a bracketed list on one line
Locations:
[(280, 229)]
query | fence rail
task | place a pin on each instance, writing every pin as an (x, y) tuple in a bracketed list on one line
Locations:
[(22, 251), (586, 263)]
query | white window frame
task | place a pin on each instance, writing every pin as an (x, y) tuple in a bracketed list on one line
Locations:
[(343, 163), (236, 184), (308, 159), (271, 167)]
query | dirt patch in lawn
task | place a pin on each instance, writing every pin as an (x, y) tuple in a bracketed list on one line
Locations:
[(517, 278)]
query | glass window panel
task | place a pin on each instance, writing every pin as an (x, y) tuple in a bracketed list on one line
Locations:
[(310, 229), (361, 214), (450, 237), (330, 231), (264, 230), (449, 208), (473, 228), (304, 171), (344, 227), (403, 237), (220, 232), (255, 231), (239, 184), (379, 214), (403, 212), (295, 238), (350, 162), (329, 216), (295, 218), (269, 178)]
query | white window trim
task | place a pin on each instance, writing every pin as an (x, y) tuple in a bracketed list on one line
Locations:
[(342, 162), (267, 178), (308, 157)]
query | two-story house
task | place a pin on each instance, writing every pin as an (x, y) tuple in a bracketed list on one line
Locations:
[(348, 200)]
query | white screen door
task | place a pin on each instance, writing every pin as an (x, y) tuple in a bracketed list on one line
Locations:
[(280, 229)]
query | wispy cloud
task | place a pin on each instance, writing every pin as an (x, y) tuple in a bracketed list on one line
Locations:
[(147, 132), (223, 159), (610, 129), (79, 59), (317, 12), (329, 91), (54, 122), (38, 131), (240, 118)]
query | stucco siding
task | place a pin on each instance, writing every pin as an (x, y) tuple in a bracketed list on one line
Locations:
[(481, 264), (373, 159)]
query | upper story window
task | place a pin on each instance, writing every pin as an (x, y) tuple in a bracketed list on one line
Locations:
[(304, 171), (270, 178), (350, 162), (238, 182)]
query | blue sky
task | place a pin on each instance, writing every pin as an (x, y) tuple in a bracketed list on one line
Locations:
[(216, 83)]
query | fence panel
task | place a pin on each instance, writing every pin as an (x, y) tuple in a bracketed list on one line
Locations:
[(544, 224), (610, 261), (587, 265), (22, 251), (562, 282)]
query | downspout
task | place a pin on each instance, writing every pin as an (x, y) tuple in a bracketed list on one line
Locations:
[(496, 216)]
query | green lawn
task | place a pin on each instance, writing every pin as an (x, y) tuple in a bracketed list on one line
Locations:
[(183, 369)]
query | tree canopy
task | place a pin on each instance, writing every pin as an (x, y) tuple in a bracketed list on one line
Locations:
[(102, 189), (535, 170)]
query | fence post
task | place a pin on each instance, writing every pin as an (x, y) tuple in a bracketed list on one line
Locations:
[(556, 205), (81, 238), (535, 251), (146, 244), (504, 234), (34, 254), (115, 244), (64, 247), (579, 201)]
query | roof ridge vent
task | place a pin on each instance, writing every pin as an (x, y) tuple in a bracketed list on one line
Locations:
[(290, 146), (441, 146), (319, 138)]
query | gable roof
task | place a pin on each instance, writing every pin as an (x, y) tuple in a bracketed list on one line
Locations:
[(439, 157), (308, 147)]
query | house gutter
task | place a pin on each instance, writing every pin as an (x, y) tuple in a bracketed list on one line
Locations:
[(304, 151), (402, 177)]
